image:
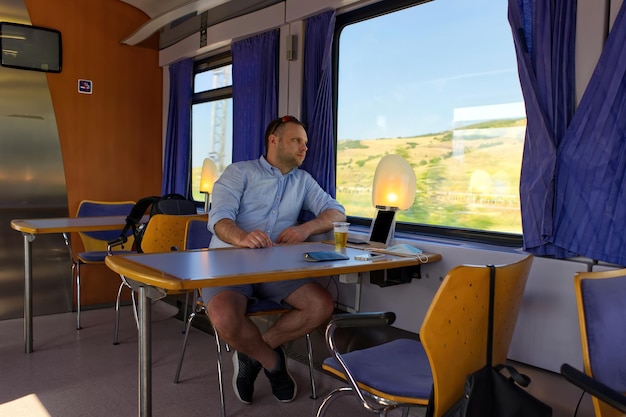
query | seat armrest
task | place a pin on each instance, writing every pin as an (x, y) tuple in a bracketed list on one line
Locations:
[(365, 319), (594, 387), (116, 242), (354, 320)]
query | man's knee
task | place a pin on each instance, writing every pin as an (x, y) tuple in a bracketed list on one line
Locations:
[(225, 309), (320, 304)]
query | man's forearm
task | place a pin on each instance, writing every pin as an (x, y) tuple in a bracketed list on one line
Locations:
[(324, 222), (228, 231)]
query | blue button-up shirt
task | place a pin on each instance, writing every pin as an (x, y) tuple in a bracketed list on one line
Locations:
[(256, 195)]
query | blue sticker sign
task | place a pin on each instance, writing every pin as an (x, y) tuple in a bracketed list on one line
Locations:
[(85, 86)]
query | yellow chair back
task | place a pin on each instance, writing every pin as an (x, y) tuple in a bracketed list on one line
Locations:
[(454, 331), (167, 231)]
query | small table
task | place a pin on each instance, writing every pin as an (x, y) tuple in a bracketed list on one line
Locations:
[(154, 275), (30, 228)]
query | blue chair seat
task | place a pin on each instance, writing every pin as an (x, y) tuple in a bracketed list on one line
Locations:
[(263, 306), (402, 368)]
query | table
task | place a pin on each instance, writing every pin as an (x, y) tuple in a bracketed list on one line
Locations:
[(155, 274), (30, 228)]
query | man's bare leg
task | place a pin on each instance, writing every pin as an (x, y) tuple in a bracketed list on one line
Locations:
[(312, 306)]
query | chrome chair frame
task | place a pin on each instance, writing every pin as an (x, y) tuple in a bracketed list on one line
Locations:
[(94, 257), (164, 232)]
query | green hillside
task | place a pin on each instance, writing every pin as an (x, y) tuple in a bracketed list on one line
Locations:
[(467, 177)]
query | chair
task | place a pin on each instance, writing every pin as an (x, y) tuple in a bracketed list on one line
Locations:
[(431, 372), (601, 300), (197, 234), (95, 243), (262, 308), (163, 233)]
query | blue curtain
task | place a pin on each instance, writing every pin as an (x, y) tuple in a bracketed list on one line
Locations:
[(255, 93), (317, 111), (590, 210), (574, 167), (177, 157), (543, 34)]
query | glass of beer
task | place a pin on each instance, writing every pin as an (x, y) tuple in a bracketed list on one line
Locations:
[(341, 235)]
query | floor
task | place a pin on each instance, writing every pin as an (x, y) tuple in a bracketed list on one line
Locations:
[(81, 373)]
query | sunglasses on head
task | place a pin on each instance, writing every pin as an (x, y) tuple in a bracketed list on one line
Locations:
[(284, 119)]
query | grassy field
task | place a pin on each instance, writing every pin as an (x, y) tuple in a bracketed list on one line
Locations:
[(467, 178)]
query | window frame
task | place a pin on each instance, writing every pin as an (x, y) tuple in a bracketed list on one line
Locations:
[(208, 64), (202, 65), (403, 228)]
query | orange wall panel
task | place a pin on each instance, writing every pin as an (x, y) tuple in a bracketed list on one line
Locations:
[(111, 140)]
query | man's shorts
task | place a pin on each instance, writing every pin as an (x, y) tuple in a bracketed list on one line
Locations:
[(272, 291)]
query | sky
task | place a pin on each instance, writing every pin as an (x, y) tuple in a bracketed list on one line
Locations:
[(425, 69), (408, 73)]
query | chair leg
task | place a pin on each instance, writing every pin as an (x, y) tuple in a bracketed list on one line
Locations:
[(75, 273), (185, 311), (76, 269), (219, 371), (135, 311), (117, 309), (182, 353), (330, 398), (311, 368), (117, 313)]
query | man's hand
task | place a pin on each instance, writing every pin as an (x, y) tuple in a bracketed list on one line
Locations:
[(256, 239), (229, 232), (293, 234)]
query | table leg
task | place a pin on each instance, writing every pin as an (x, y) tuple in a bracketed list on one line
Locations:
[(28, 292), (145, 353)]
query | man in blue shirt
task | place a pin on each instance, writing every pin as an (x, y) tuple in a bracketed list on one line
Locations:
[(256, 204)]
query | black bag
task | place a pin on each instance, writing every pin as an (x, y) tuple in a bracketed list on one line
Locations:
[(167, 204), (173, 204), (489, 393)]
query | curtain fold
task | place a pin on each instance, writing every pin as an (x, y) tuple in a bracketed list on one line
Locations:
[(590, 210), (573, 178), (177, 154), (543, 34), (317, 111), (255, 93)]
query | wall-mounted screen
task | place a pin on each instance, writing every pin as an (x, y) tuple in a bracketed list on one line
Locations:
[(28, 47)]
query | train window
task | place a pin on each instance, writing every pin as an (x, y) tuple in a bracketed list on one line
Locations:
[(211, 117), (435, 82)]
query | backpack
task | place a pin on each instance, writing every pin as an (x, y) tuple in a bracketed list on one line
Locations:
[(167, 204)]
